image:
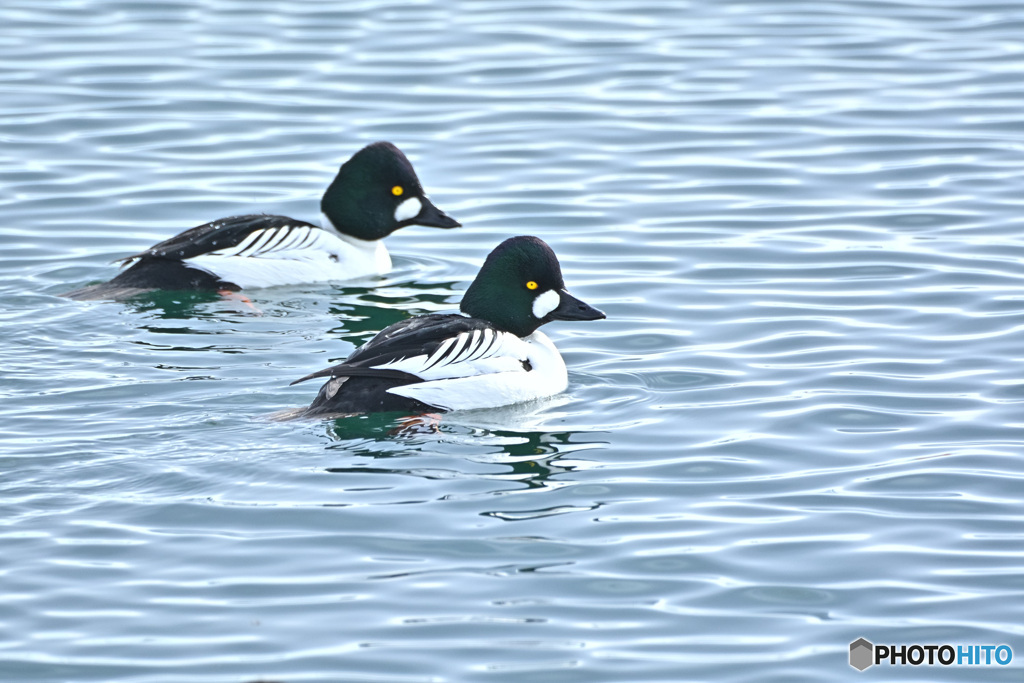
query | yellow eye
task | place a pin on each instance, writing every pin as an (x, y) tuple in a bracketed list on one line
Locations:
[(397, 190), (531, 285)]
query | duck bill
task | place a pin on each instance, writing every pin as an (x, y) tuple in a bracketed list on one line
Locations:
[(571, 308), (433, 217)]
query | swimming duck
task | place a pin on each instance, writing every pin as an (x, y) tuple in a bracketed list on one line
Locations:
[(491, 355), (375, 193)]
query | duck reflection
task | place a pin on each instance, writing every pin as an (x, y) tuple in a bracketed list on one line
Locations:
[(173, 305), (381, 443), (364, 309)]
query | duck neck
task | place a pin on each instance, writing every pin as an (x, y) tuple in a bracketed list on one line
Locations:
[(373, 251)]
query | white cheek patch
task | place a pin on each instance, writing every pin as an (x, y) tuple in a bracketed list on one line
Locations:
[(410, 208), (545, 303)]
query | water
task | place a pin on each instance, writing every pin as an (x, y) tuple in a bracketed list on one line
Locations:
[(800, 424)]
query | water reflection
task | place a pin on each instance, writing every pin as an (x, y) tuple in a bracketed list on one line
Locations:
[(532, 458), (365, 308), (173, 305), (364, 312)]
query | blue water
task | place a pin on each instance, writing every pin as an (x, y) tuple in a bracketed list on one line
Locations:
[(800, 424)]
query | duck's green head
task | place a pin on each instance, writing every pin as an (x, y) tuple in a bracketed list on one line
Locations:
[(377, 192), (520, 287)]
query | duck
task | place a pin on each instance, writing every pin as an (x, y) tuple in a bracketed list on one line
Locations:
[(490, 354), (375, 193)]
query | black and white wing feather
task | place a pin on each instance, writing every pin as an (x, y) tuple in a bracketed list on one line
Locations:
[(252, 235), (432, 347)]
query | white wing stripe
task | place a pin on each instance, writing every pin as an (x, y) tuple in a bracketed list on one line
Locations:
[(256, 244), (458, 349), (470, 353), (266, 245), (243, 245), (486, 342), (269, 236), (250, 243), (505, 356), (477, 352), (253, 244), (314, 239), (454, 351), (491, 348), (275, 240), (285, 232), (297, 235), (436, 357), (473, 346), (310, 234), (286, 238)]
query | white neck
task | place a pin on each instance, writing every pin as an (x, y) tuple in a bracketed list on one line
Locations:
[(373, 250)]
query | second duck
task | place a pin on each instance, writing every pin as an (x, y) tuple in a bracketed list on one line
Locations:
[(375, 193)]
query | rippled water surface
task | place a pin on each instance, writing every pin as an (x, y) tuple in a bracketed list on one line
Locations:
[(801, 423)]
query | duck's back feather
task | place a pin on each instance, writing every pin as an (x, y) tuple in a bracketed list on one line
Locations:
[(222, 235), (412, 348)]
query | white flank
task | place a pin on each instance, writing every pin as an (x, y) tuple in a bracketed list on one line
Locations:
[(545, 303), (283, 256), (493, 389), (410, 208)]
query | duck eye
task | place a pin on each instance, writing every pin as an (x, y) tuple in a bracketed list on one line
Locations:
[(531, 285), (397, 190)]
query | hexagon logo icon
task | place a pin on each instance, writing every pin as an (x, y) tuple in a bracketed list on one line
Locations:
[(862, 654)]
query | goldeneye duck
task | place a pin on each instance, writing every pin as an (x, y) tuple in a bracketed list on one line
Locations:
[(375, 193), (492, 355)]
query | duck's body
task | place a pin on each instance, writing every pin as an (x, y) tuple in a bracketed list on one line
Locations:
[(492, 356), (446, 362), (375, 193), (253, 251)]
